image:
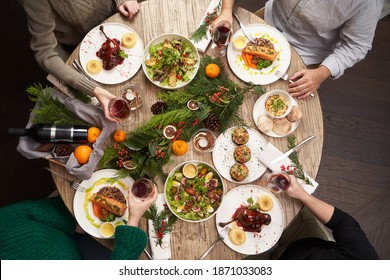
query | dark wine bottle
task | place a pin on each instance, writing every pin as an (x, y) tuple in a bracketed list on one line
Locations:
[(50, 133)]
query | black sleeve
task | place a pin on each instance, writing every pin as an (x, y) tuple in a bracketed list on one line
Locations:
[(349, 237), (351, 242)]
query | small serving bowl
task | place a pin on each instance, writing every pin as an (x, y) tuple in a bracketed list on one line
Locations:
[(284, 97), (107, 230), (239, 43), (190, 170)]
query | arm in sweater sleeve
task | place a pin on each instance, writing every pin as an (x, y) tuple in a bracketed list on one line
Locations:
[(129, 243), (41, 25)]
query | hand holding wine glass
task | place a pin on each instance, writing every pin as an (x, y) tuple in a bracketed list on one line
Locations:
[(220, 36), (278, 181), (119, 109)]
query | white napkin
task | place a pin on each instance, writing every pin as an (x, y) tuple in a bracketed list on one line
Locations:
[(270, 152), (203, 44), (159, 252)]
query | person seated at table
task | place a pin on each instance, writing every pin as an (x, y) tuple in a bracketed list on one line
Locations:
[(304, 238), (330, 36), (57, 27), (44, 229)]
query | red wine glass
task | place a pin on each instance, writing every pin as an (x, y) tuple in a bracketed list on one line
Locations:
[(220, 36), (119, 109), (142, 188), (278, 181)]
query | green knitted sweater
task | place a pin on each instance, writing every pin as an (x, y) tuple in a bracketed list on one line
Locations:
[(44, 229)]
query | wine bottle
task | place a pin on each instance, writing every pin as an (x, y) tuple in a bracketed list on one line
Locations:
[(50, 133)]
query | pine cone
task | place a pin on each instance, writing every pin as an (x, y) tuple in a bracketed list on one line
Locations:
[(62, 150), (212, 122), (159, 108)]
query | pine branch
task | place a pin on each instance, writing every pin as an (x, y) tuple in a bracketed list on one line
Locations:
[(298, 168), (51, 110)]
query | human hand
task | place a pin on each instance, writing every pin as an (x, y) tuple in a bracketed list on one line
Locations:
[(307, 81), (296, 190), (104, 97), (224, 15), (129, 8), (137, 208)]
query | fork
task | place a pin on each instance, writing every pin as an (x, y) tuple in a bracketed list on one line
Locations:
[(225, 231), (76, 64), (284, 76), (74, 184)]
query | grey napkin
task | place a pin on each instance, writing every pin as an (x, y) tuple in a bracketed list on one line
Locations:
[(86, 112)]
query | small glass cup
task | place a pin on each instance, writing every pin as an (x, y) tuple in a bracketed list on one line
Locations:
[(142, 188), (133, 94), (278, 181)]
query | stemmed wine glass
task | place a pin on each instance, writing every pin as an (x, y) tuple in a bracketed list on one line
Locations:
[(119, 109), (220, 37)]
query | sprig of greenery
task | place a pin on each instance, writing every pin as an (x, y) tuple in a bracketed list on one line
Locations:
[(51, 110), (201, 31), (298, 168), (162, 222)]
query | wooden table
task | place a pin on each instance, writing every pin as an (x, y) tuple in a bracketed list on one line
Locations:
[(190, 240)]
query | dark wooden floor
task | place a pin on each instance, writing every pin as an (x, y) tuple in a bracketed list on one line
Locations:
[(356, 156)]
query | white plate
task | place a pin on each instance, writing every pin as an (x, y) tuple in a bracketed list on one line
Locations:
[(93, 41), (82, 207), (259, 110), (160, 39), (267, 75), (223, 155), (256, 243)]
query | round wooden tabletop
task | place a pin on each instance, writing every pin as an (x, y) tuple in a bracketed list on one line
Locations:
[(190, 240)]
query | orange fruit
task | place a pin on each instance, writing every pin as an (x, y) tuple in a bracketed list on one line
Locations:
[(82, 153), (93, 134), (212, 70), (179, 147), (119, 136)]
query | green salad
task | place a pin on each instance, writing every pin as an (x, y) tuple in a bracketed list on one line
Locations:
[(197, 198), (171, 62)]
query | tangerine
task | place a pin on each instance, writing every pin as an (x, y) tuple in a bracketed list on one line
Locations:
[(82, 153), (179, 147), (212, 70), (119, 136), (93, 134)]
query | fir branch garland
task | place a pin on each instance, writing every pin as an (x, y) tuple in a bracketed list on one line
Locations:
[(151, 151), (51, 110)]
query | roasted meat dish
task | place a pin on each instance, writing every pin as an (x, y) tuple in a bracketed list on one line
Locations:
[(251, 220)]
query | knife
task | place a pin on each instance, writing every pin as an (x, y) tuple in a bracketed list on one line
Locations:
[(286, 154), (246, 32)]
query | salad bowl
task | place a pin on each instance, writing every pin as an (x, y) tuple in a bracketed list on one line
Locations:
[(170, 61), (194, 198)]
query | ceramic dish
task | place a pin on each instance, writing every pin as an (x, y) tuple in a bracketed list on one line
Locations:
[(194, 198), (223, 155), (82, 206), (259, 110), (181, 79), (255, 243), (94, 40), (267, 75)]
